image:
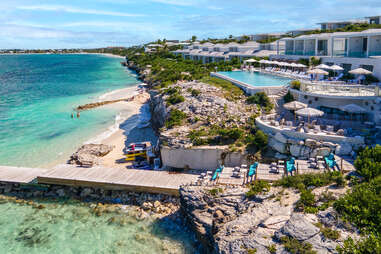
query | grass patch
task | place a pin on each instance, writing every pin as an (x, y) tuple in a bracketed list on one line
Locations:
[(296, 247), (215, 191), (175, 118), (175, 99), (301, 182), (258, 187), (328, 232), (232, 92)]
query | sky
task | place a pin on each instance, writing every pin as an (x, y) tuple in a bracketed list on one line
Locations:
[(41, 24)]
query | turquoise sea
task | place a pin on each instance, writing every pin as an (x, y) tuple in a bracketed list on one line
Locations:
[(37, 96)]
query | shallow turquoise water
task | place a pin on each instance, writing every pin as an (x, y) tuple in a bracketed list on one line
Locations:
[(256, 79), (71, 227), (37, 96)]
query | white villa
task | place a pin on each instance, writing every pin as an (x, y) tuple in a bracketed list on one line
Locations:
[(348, 49), (209, 52)]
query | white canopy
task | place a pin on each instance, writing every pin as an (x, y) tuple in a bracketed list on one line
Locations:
[(336, 68), (323, 66), (309, 112), (251, 61), (301, 66), (353, 108), (317, 71), (263, 61), (295, 105), (360, 71), (293, 65)]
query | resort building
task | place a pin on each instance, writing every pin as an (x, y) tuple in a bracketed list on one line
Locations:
[(297, 32), (333, 25), (348, 49), (374, 20), (209, 52)]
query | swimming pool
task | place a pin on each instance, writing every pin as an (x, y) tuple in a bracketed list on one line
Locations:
[(255, 79)]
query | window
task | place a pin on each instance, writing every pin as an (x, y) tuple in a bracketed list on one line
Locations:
[(364, 44), (347, 67), (367, 67)]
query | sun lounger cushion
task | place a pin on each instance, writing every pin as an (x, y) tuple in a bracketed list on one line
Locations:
[(290, 165), (330, 160), (253, 168)]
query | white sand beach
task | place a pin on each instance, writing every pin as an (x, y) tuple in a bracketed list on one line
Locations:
[(118, 134)]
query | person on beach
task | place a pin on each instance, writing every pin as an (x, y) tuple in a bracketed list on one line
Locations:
[(72, 115), (78, 115)]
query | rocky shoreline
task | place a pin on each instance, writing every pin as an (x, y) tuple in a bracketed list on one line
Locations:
[(101, 201), (226, 221)]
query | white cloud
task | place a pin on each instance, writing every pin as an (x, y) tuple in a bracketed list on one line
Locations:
[(70, 9)]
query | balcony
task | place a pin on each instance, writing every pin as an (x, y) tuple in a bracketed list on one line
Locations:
[(310, 53), (357, 54), (374, 53), (289, 52), (339, 53), (299, 52)]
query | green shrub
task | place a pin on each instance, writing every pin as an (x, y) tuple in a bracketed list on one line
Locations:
[(288, 97), (262, 100), (271, 248), (195, 92), (175, 98), (295, 247), (368, 162), (328, 232), (230, 134), (215, 191), (171, 90), (362, 206), (259, 140), (307, 199), (231, 91), (295, 84), (370, 245), (258, 187), (308, 180), (251, 251), (175, 118)]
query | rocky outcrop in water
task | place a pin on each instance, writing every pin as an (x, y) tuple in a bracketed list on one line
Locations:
[(228, 222), (88, 155)]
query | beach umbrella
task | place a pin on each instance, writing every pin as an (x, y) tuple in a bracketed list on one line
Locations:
[(294, 106), (263, 61), (323, 66), (353, 109), (250, 61), (336, 68), (317, 71), (309, 112), (360, 71), (302, 66)]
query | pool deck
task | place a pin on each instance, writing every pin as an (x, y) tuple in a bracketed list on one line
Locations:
[(250, 89)]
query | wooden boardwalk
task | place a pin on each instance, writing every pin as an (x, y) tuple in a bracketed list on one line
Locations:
[(19, 174), (119, 179)]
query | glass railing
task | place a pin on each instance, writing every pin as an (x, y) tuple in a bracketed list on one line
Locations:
[(289, 52), (322, 53), (339, 53), (310, 53), (374, 53), (357, 54), (299, 52), (339, 89)]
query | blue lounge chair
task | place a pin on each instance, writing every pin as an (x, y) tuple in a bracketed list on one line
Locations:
[(290, 165), (252, 169), (330, 161), (217, 173)]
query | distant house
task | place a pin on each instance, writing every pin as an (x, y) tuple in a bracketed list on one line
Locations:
[(374, 20), (333, 25), (301, 31)]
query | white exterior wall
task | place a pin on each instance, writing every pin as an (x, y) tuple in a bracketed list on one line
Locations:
[(200, 157)]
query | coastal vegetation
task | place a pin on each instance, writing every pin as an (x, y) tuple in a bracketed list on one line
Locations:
[(262, 100), (176, 117)]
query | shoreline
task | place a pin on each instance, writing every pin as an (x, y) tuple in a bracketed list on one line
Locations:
[(78, 53)]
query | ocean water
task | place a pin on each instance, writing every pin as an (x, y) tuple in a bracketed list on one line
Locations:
[(37, 96), (256, 79), (69, 227)]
